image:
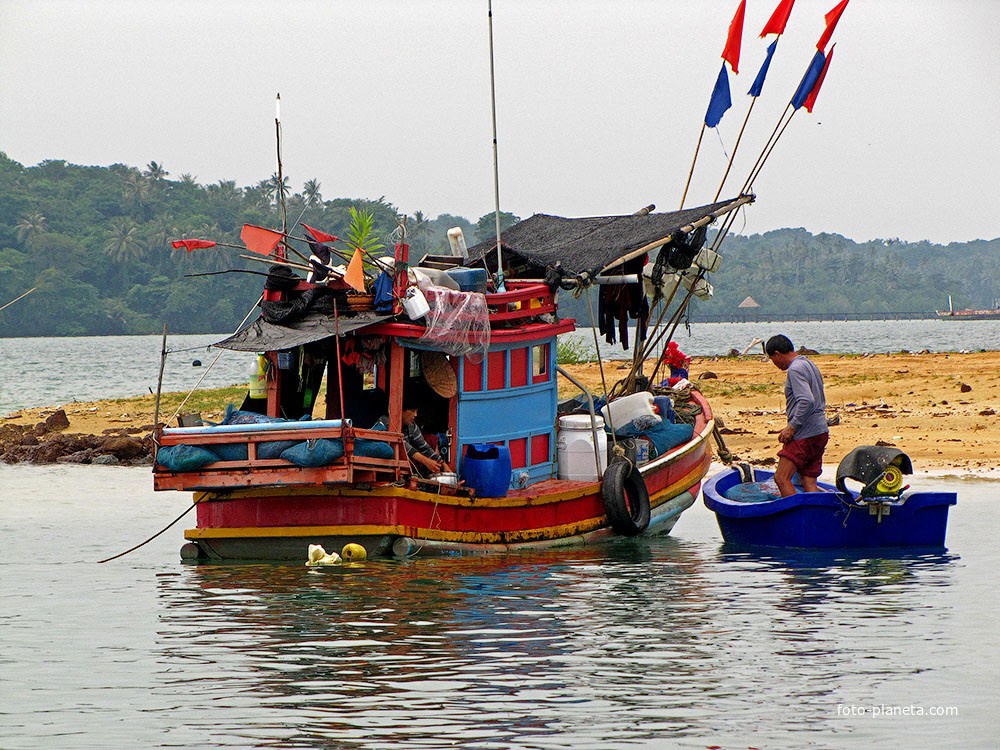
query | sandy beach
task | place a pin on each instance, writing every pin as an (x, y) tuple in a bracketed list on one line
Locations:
[(943, 410)]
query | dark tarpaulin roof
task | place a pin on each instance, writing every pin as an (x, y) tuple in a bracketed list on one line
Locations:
[(592, 243), (261, 336)]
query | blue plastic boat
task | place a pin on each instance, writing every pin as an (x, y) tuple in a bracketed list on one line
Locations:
[(836, 517)]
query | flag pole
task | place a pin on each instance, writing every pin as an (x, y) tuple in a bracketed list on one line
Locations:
[(496, 166), (17, 298), (693, 162), (739, 138), (281, 182)]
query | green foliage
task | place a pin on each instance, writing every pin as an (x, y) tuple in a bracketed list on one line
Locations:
[(96, 243), (361, 231), (573, 352), (486, 227)]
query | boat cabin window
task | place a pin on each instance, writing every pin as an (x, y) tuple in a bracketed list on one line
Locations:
[(539, 362)]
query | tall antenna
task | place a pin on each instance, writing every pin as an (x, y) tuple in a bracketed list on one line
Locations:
[(281, 181), (496, 168)]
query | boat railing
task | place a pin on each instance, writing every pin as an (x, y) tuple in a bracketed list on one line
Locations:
[(254, 471)]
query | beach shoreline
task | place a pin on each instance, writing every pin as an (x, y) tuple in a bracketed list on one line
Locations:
[(941, 409)]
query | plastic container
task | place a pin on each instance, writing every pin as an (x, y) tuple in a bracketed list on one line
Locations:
[(623, 410), (258, 377), (576, 448), (449, 478), (469, 279), (456, 238), (665, 408), (486, 469), (415, 303)]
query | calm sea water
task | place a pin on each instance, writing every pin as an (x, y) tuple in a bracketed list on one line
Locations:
[(676, 642), (43, 372)]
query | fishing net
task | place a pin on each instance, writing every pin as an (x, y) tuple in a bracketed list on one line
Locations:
[(458, 322)]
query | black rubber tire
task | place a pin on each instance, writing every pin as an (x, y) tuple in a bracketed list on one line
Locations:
[(626, 499)]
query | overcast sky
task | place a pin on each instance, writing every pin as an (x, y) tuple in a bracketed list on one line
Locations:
[(599, 103)]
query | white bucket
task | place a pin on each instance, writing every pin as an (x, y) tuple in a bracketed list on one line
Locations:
[(415, 303), (623, 410), (576, 448)]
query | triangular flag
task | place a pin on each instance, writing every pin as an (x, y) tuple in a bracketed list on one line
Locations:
[(811, 99), (260, 240), (831, 23), (320, 236), (731, 54), (758, 82), (190, 245), (776, 23), (720, 101), (808, 82), (355, 274)]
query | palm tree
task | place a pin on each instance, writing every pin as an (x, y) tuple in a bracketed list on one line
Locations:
[(189, 179), (311, 192), (268, 188), (282, 185), (30, 227), (155, 172), (420, 232), (124, 241), (136, 189)]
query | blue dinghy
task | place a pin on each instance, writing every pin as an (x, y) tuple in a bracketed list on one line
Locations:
[(881, 514)]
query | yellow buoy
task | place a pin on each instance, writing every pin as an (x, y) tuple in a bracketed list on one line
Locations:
[(354, 552)]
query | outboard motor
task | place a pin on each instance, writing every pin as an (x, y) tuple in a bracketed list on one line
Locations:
[(880, 469)]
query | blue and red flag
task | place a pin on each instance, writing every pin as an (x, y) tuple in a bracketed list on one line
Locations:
[(776, 23), (808, 82), (720, 101), (811, 99), (731, 54), (758, 82), (831, 23)]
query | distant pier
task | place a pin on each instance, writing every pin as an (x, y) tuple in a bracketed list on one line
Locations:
[(758, 316)]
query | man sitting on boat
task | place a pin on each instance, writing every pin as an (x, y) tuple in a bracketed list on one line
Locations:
[(805, 436), (424, 459)]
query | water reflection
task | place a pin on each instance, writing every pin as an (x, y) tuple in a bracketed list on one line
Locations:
[(619, 644)]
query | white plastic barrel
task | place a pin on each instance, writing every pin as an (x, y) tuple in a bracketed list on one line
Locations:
[(623, 410), (576, 448)]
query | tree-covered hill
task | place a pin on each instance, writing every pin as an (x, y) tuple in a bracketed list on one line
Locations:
[(94, 242)]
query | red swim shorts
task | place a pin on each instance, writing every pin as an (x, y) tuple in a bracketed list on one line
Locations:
[(806, 454)]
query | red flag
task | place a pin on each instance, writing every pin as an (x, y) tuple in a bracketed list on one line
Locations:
[(260, 240), (731, 54), (776, 23), (318, 235), (355, 275), (831, 23), (811, 99), (190, 245)]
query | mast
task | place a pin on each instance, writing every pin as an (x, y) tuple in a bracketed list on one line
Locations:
[(496, 168)]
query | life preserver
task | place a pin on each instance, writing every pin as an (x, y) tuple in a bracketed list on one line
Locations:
[(626, 499)]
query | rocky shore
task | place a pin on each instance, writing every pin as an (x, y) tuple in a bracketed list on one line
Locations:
[(48, 441), (942, 409)]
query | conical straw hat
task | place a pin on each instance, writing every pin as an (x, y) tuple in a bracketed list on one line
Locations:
[(439, 374)]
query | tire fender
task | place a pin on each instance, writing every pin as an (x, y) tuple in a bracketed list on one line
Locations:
[(626, 499)]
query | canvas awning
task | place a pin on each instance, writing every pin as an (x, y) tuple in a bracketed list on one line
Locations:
[(591, 244), (261, 336)]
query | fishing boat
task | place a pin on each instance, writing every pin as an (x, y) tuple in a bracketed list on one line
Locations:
[(472, 335), (969, 314), (882, 513)]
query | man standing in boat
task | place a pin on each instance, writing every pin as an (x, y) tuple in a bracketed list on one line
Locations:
[(805, 436)]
